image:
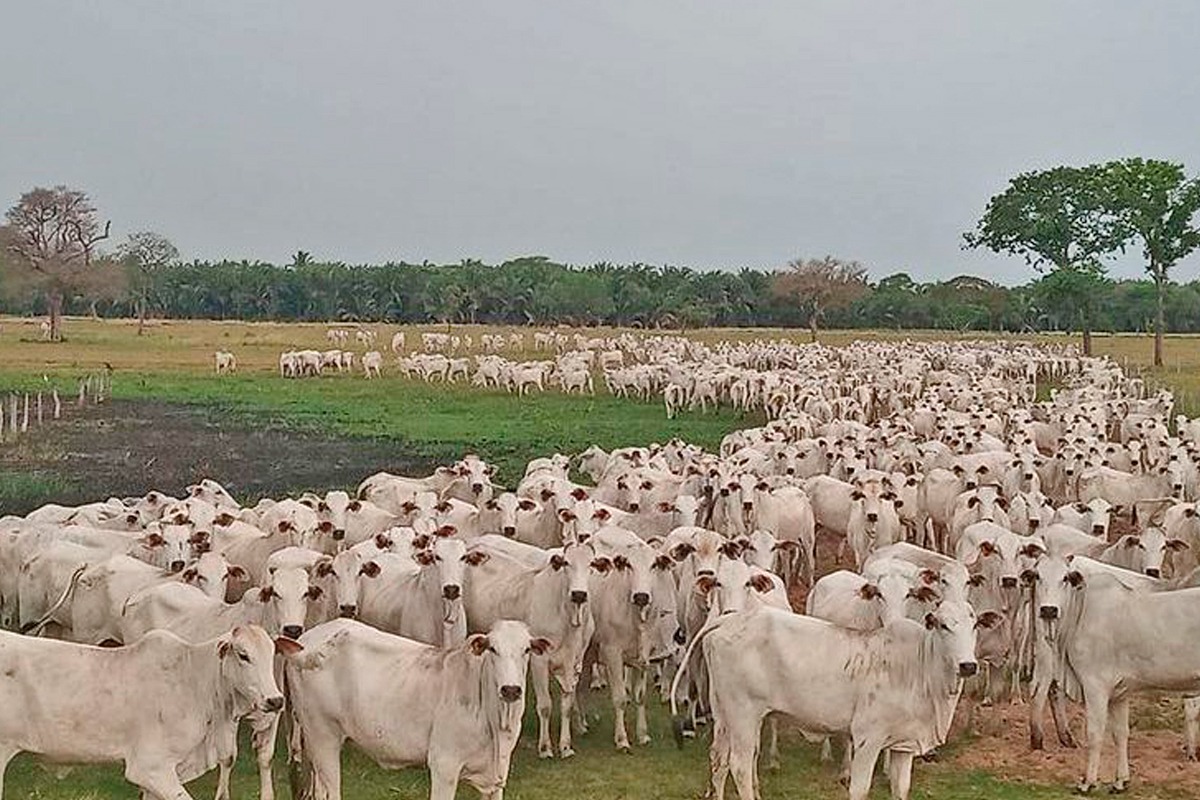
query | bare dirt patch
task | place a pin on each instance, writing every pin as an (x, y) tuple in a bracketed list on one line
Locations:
[(126, 448)]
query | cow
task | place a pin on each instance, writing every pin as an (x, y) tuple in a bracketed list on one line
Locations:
[(551, 598), (831, 681), (372, 364), (226, 362), (873, 521), (1094, 516), (1103, 662), (167, 709), (457, 710)]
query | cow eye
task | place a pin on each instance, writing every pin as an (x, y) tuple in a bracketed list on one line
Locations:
[(243, 657)]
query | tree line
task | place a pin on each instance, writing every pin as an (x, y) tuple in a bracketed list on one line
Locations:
[(1065, 222), (538, 291)]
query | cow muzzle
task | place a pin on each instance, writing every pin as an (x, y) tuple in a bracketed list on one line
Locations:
[(293, 631), (1048, 612), (510, 694), (476, 487), (273, 704), (641, 599), (1009, 582), (1098, 530), (348, 611), (339, 534), (1154, 572), (872, 517), (509, 530), (451, 592), (579, 597), (177, 565), (967, 668)]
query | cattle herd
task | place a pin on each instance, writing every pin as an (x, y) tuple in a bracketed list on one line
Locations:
[(990, 539)]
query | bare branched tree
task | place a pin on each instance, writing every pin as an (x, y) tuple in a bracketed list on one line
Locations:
[(144, 253), (818, 285), (50, 239)]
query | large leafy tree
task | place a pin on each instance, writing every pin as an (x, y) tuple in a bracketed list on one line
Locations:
[(50, 240), (1059, 220), (820, 285), (1156, 203)]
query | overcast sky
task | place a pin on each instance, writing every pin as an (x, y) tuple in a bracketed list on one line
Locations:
[(707, 134)]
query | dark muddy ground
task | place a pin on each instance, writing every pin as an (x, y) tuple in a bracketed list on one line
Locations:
[(126, 448)]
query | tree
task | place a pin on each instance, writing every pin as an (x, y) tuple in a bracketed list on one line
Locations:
[(143, 254), (1155, 202), (1057, 219), (50, 237), (820, 285)]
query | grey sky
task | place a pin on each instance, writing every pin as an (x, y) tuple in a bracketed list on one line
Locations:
[(698, 133)]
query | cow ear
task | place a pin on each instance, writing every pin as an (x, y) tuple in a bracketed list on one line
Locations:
[(602, 564), (1131, 540), (322, 507), (923, 593), (324, 568), (868, 591), (383, 541), (976, 580), (666, 508), (987, 548), (557, 562), (265, 594), (546, 495), (621, 563), (1000, 501), (1075, 578), (856, 495), (681, 551), (972, 501), (540, 646), (424, 558), (929, 577), (325, 526), (706, 583), (445, 531), (931, 622), (988, 619), (283, 526), (663, 562), (526, 505), (566, 515), (1177, 545), (189, 575), (1032, 550), (370, 569), (601, 514), (579, 493), (314, 593), (224, 519), (478, 644), (235, 572), (1028, 577), (287, 647), (760, 583), (354, 505), (224, 648), (897, 502)]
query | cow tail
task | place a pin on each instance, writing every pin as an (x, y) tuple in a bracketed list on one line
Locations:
[(35, 628), (677, 719)]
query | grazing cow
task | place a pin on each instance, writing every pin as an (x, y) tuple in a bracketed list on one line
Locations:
[(551, 598), (226, 362), (372, 364), (167, 709), (398, 342), (457, 711), (893, 689)]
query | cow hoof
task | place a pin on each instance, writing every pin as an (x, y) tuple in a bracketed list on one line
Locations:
[(567, 752), (644, 740), (1068, 741), (624, 748), (545, 752), (689, 733), (1083, 787), (931, 757), (1189, 755), (773, 766), (1120, 787), (985, 702), (1036, 743)]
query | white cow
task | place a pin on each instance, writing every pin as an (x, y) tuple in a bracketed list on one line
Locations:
[(457, 711), (168, 710)]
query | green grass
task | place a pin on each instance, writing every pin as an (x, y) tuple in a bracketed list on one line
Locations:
[(435, 421), (25, 489)]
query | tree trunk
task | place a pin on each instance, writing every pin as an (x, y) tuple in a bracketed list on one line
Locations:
[(1087, 336), (812, 324), (1159, 316), (55, 303), (141, 315)]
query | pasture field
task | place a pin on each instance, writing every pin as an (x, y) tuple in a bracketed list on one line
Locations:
[(171, 421)]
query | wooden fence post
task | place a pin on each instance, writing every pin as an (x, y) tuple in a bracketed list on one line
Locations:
[(40, 418), (57, 404), (12, 412), (25, 416)]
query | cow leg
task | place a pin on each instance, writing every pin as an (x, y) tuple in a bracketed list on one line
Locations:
[(826, 749), (642, 727), (773, 743), (6, 755), (1058, 709), (1191, 726), (540, 669), (900, 774), (1037, 707), (265, 731), (862, 767), (566, 706), (615, 667), (743, 755), (225, 769), (1119, 711), (154, 780), (1096, 703), (443, 781)]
